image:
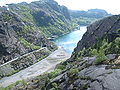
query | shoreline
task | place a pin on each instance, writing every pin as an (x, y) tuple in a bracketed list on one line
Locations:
[(77, 28)]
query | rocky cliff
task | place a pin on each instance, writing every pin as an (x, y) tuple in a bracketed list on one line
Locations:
[(108, 28), (18, 38), (25, 27), (94, 64)]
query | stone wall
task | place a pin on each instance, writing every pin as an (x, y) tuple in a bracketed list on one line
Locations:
[(23, 62)]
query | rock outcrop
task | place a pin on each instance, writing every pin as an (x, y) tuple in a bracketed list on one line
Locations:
[(18, 38), (105, 28), (22, 62)]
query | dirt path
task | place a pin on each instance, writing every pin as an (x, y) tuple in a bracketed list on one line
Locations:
[(44, 65)]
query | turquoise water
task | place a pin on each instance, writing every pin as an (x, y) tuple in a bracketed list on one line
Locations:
[(70, 40)]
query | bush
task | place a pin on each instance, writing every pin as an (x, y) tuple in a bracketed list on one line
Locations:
[(73, 72), (14, 84), (55, 86), (28, 45), (100, 57), (61, 67), (54, 73), (94, 52)]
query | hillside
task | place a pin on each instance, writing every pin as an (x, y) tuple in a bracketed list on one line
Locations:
[(18, 38), (52, 19), (27, 27), (94, 65), (88, 17), (25, 30), (25, 47)]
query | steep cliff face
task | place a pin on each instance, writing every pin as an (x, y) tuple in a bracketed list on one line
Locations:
[(18, 38), (52, 19), (108, 28)]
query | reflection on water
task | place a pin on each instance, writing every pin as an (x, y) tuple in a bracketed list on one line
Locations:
[(70, 40)]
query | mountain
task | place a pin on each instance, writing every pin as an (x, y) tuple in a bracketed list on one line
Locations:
[(94, 64), (107, 28), (52, 19), (27, 27), (88, 17), (18, 38), (91, 13), (24, 32)]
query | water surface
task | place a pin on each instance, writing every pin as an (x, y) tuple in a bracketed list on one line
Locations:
[(69, 41)]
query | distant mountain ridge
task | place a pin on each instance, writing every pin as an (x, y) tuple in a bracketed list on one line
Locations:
[(88, 17), (91, 13)]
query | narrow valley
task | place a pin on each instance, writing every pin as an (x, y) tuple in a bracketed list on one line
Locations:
[(46, 46)]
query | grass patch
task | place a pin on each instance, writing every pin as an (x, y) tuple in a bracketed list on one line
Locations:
[(28, 45)]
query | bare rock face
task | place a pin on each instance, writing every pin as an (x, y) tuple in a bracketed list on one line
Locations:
[(16, 40), (107, 27), (87, 77)]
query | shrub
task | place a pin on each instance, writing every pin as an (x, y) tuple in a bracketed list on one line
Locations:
[(94, 52), (55, 86), (54, 73), (7, 17), (28, 45), (72, 72), (100, 57), (61, 67), (12, 85)]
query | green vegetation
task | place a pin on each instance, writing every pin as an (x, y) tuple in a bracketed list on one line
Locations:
[(100, 49), (113, 47), (88, 17), (7, 75), (83, 21), (55, 86), (58, 28), (42, 80), (52, 25), (54, 73), (7, 17), (28, 45), (60, 66), (100, 57), (73, 72), (30, 28), (12, 85)]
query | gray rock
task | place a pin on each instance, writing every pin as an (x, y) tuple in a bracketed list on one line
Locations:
[(105, 27), (11, 31), (111, 56)]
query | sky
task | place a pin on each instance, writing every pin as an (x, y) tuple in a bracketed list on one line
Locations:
[(111, 6)]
